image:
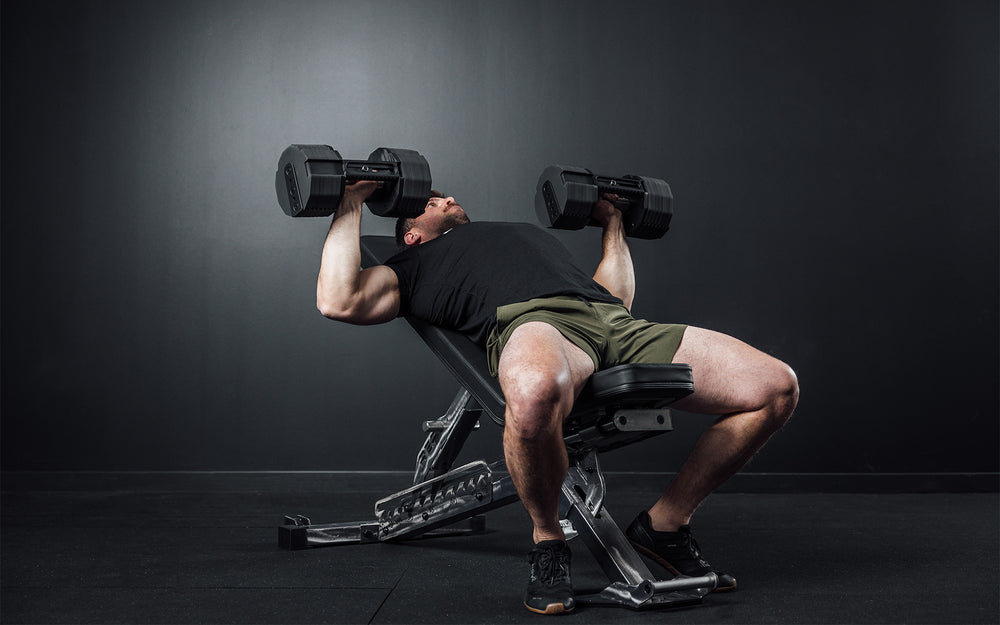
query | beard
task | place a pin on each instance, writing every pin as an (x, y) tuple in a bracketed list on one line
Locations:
[(451, 220)]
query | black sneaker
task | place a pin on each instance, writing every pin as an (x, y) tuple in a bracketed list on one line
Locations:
[(677, 551), (549, 588)]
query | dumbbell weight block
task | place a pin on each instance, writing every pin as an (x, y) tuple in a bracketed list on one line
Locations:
[(645, 204), (565, 197), (310, 181), (650, 218), (408, 196)]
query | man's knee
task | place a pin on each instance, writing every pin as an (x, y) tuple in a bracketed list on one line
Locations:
[(782, 393), (537, 402)]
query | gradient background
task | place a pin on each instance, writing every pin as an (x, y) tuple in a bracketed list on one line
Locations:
[(834, 166)]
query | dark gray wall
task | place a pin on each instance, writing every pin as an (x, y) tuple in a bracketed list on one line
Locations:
[(835, 167)]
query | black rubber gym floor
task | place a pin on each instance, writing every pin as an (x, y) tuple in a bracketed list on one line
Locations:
[(201, 548)]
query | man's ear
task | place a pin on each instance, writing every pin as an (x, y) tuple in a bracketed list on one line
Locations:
[(411, 238)]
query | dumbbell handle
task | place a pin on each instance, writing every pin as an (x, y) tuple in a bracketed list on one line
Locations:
[(376, 171), (626, 190), (618, 186)]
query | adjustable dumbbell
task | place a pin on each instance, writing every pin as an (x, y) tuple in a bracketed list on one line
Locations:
[(566, 196), (310, 181)]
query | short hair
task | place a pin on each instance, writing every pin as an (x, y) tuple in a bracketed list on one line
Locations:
[(405, 224)]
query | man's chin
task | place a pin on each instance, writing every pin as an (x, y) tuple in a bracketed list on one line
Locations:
[(457, 218)]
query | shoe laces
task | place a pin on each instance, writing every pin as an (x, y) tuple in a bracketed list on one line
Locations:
[(693, 548), (549, 567)]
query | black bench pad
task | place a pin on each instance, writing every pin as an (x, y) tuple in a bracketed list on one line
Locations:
[(640, 382)]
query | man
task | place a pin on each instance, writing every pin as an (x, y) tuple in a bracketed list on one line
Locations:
[(547, 326)]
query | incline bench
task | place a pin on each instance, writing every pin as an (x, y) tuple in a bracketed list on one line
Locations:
[(619, 406)]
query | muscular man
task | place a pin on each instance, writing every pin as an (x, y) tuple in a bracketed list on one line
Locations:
[(547, 326)]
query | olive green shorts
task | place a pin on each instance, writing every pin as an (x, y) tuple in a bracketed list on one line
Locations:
[(606, 332)]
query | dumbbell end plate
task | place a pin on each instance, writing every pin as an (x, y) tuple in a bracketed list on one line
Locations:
[(309, 181), (565, 197)]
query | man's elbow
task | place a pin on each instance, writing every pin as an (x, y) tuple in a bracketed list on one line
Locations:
[(624, 292), (625, 296), (338, 310), (627, 300)]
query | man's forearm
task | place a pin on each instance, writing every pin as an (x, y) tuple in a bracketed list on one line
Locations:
[(615, 273), (339, 281)]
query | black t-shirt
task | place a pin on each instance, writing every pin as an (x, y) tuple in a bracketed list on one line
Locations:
[(459, 279)]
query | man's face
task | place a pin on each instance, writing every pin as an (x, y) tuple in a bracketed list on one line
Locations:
[(440, 215)]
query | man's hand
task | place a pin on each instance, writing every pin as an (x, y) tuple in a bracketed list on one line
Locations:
[(355, 194), (605, 211)]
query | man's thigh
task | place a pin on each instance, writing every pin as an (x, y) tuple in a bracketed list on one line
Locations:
[(537, 353), (729, 375)]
